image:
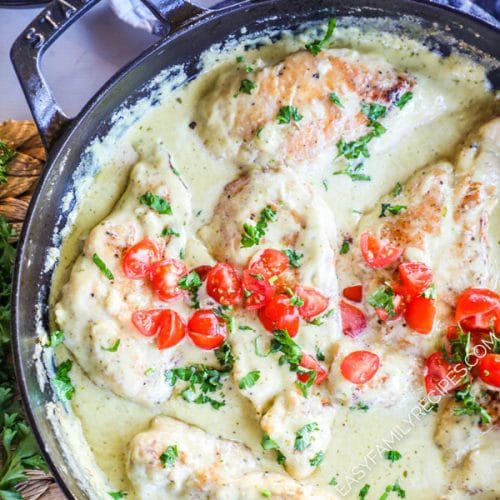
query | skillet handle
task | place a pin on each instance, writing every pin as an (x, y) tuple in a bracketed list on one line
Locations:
[(172, 13)]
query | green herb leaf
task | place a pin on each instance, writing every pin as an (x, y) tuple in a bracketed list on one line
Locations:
[(169, 456), (246, 327), (56, 338), (293, 257), (335, 99), (321, 319), (354, 172), (156, 202), (392, 209), (363, 491), (296, 301), (360, 405), (317, 459), (247, 86), (404, 100), (6, 154), (373, 110), (280, 458), (253, 234), (430, 293), (225, 357), (168, 231), (192, 283), (257, 350), (102, 267), (303, 436), (383, 298), (240, 59), (287, 114), (333, 481), (397, 189), (316, 46), (395, 488), (117, 494), (305, 386), (393, 455), (267, 443), (62, 383), (345, 247), (112, 348), (469, 405), (249, 379), (266, 493), (320, 355)]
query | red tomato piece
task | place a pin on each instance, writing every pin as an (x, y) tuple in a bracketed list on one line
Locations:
[(441, 377), (206, 330), (279, 314), (415, 277), (148, 321), (224, 284), (269, 263), (165, 276), (202, 271), (399, 306), (360, 367), (172, 330), (419, 314), (489, 369), (138, 259), (314, 302), (378, 253), (478, 308), (354, 293), (259, 291), (310, 363), (353, 319)]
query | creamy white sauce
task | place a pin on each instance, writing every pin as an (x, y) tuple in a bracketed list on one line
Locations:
[(451, 98)]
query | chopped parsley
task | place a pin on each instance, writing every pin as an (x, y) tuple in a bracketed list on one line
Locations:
[(395, 488), (156, 202), (249, 379), (56, 338), (392, 455), (247, 86), (460, 347), (404, 100), (360, 405), (259, 131), (345, 247), (200, 380), (102, 267), (354, 172), (296, 301), (6, 154), (287, 114), (112, 348), (430, 293), (335, 99), (168, 231), (397, 189), (253, 234), (363, 491), (333, 481), (316, 46), (240, 59), (62, 383), (266, 493), (246, 327), (169, 456), (320, 355), (182, 253), (192, 283), (325, 184), (392, 209), (293, 257), (373, 111), (303, 436), (320, 319), (311, 377), (280, 458), (383, 298), (317, 459), (225, 357), (221, 312), (116, 495), (257, 350), (270, 444), (469, 405)]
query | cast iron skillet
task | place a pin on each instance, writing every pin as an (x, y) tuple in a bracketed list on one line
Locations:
[(188, 31)]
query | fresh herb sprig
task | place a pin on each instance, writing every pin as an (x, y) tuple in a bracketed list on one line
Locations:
[(316, 46), (253, 234), (288, 113), (6, 154), (192, 283), (156, 202)]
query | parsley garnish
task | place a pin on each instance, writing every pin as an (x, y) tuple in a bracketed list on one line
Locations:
[(288, 113), (354, 172), (293, 257), (345, 247), (363, 491), (392, 209), (430, 293), (317, 459), (383, 298), (56, 338), (182, 253), (225, 357), (320, 355), (102, 267), (321, 319), (266, 493), (168, 231), (403, 100), (303, 436), (157, 203), (397, 189), (280, 458), (373, 111), (6, 154), (469, 405), (259, 131), (192, 283), (221, 312), (112, 348), (253, 234), (117, 494), (316, 46), (270, 444), (240, 59), (246, 327), (296, 301), (62, 383), (335, 99), (393, 487), (360, 405), (249, 379), (333, 481), (257, 350), (393, 455), (247, 86), (169, 456), (311, 377)]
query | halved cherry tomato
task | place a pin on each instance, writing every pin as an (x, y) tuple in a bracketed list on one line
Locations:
[(478, 309), (259, 291), (314, 302), (354, 293), (441, 377), (353, 319), (224, 284), (279, 314), (310, 363), (165, 276), (172, 329), (415, 277), (419, 314), (202, 271), (399, 306), (360, 366), (148, 321), (378, 253), (138, 259), (269, 263), (489, 369), (206, 330)]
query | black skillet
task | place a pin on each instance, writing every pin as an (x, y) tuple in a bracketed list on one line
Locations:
[(188, 31)]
